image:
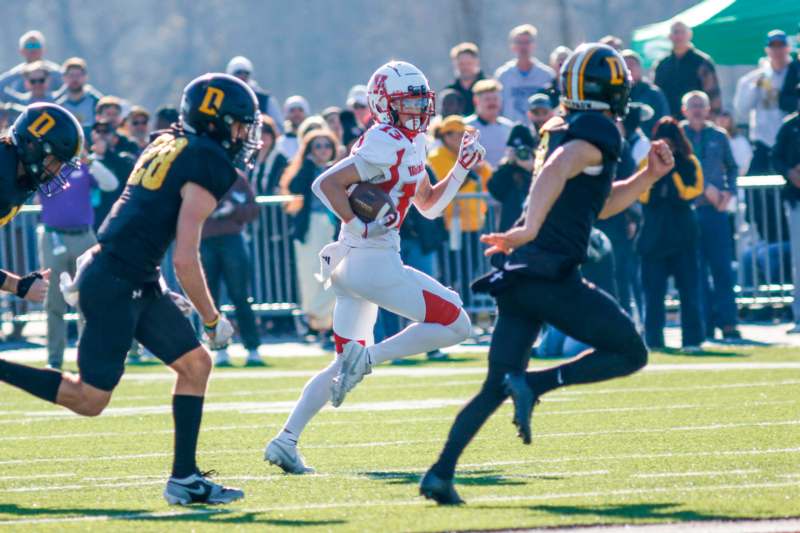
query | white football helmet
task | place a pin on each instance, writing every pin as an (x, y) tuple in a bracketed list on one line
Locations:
[(399, 87)]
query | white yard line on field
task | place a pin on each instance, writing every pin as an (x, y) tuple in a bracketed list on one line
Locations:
[(306, 506), (716, 473), (712, 427)]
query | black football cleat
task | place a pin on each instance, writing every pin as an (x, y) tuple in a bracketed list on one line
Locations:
[(516, 386), (441, 491)]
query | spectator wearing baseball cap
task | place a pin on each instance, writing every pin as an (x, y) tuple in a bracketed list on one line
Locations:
[(357, 103), (467, 66), (242, 68), (645, 92), (76, 95), (510, 182), (540, 110), (296, 110), (31, 48), (756, 100)]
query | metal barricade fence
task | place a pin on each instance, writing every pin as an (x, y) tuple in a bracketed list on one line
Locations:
[(763, 263)]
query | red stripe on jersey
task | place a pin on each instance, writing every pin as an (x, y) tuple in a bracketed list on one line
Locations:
[(404, 202), (340, 341), (438, 310), (394, 171)]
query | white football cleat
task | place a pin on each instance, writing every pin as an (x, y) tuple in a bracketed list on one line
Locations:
[(285, 455), (355, 365)]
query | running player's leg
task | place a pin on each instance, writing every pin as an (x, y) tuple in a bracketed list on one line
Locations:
[(514, 335), (591, 316), (353, 320), (164, 330), (106, 302), (380, 277)]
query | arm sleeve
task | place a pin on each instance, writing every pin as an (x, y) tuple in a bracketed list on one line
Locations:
[(689, 181), (744, 99), (105, 179)]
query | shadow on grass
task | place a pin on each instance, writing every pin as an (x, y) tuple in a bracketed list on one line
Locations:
[(667, 511), (467, 478), (704, 352), (205, 514), (425, 361)]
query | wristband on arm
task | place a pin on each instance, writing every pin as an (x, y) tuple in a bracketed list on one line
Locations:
[(24, 284)]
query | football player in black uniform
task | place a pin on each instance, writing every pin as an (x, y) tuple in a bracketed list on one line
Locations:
[(39, 154), (537, 278), (173, 188)]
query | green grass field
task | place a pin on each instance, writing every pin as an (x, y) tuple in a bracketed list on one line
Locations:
[(691, 438)]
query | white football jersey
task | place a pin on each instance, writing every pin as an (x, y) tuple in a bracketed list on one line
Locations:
[(402, 165)]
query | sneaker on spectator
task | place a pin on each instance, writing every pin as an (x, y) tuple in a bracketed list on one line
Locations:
[(692, 350), (795, 329), (253, 359), (223, 359), (731, 333)]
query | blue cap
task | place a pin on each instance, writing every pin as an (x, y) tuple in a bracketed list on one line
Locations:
[(777, 36)]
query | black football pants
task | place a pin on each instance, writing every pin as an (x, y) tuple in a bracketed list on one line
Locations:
[(575, 307)]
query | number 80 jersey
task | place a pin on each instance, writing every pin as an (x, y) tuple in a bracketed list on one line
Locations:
[(399, 164), (143, 221)]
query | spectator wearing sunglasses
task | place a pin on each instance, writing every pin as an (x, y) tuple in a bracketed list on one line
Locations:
[(312, 226), (37, 86), (137, 124), (76, 95), (31, 48)]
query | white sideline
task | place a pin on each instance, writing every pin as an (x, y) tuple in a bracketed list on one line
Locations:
[(414, 502)]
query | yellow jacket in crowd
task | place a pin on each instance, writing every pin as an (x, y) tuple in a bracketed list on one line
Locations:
[(472, 212)]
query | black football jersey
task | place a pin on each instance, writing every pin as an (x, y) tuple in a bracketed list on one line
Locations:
[(143, 221), (562, 242), (12, 193)]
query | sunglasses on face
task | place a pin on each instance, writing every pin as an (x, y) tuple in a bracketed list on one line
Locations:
[(241, 73), (37, 81), (32, 45), (138, 123), (321, 146)]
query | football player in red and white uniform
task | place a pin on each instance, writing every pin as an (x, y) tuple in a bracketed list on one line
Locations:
[(364, 266)]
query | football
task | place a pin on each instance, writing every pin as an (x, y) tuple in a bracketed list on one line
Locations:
[(369, 202)]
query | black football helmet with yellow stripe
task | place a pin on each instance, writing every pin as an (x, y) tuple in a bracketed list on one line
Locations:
[(43, 130), (212, 103), (595, 78)]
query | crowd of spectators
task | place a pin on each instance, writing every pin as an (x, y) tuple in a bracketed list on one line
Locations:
[(682, 229)]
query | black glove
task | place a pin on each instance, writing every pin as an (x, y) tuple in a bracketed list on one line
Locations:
[(25, 282)]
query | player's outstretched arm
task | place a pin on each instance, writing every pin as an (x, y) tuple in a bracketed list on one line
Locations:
[(624, 193), (564, 163), (431, 200), (197, 205), (32, 287)]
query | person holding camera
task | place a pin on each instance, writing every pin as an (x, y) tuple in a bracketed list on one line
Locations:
[(114, 155), (510, 182)]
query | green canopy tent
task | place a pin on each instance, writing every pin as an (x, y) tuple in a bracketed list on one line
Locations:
[(730, 31)]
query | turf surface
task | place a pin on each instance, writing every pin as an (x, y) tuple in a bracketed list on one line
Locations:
[(682, 441)]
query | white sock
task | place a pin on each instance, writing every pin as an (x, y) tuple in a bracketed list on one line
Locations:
[(316, 394), (421, 338)]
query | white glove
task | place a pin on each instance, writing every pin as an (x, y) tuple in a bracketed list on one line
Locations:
[(68, 285), (470, 153), (376, 228), (218, 335)]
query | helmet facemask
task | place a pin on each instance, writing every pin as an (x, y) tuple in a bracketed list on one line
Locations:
[(242, 150), (42, 178), (417, 106)]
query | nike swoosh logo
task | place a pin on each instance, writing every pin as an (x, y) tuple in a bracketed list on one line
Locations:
[(197, 489), (513, 266)]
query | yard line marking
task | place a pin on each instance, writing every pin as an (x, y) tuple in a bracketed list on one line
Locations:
[(37, 476), (395, 503), (40, 416), (697, 474), (438, 440), (468, 371)]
